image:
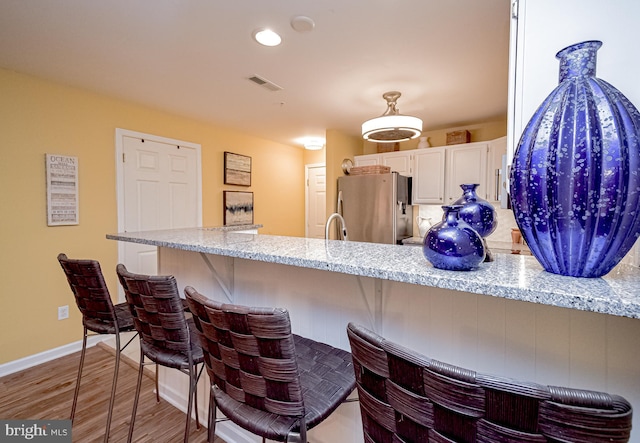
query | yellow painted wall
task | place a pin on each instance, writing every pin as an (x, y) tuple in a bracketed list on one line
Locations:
[(38, 117), (480, 131), (339, 147), (314, 157)]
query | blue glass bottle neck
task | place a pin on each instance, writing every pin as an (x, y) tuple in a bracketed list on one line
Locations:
[(469, 192), (452, 217), (578, 60)]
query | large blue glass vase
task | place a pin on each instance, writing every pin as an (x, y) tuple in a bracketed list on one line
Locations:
[(575, 178), (452, 244)]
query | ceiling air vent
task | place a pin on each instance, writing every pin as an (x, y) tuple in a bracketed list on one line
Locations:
[(265, 83)]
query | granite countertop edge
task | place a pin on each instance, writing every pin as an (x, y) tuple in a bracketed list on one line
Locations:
[(514, 277)]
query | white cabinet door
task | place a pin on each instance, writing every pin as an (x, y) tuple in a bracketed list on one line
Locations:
[(367, 160), (466, 164), (428, 176), (400, 162), (496, 176)]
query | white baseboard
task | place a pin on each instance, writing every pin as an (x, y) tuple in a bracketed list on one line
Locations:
[(43, 357), (231, 433)]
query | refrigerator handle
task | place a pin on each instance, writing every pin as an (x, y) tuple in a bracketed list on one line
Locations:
[(339, 203)]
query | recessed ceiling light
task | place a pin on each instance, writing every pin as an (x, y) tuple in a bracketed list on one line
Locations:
[(266, 37)]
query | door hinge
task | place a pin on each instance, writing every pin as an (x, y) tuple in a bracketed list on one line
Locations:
[(123, 157), (514, 9)]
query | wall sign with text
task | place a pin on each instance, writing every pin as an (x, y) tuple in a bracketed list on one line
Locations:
[(62, 190)]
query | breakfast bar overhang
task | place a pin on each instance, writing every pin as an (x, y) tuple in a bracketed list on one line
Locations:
[(509, 317)]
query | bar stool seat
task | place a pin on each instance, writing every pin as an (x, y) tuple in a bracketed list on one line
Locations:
[(265, 379), (99, 315), (167, 335), (124, 321), (171, 358)]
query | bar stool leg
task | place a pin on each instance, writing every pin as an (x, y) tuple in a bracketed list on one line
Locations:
[(113, 389), (211, 422), (192, 380), (77, 390), (157, 387), (137, 397), (195, 392)]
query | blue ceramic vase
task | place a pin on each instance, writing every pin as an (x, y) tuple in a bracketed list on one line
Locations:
[(575, 178), (478, 213), (452, 244)]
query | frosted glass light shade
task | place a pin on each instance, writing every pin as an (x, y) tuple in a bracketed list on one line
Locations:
[(392, 128), (314, 145)]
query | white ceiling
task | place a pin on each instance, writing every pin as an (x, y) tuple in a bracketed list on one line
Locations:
[(449, 58)]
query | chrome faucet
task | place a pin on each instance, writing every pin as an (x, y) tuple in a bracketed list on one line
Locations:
[(343, 231)]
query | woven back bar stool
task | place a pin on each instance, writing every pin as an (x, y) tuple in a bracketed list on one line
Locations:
[(167, 336), (99, 316), (265, 379), (407, 397)]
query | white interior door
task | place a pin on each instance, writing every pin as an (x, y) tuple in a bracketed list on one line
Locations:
[(160, 189), (316, 200)]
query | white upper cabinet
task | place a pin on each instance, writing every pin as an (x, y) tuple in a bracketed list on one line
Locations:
[(438, 172), (367, 160), (399, 161), (428, 177), (466, 164), (476, 163)]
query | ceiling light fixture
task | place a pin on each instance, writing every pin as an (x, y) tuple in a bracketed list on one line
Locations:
[(391, 126), (266, 37), (314, 144)]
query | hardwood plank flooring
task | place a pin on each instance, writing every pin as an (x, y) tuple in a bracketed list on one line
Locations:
[(45, 392)]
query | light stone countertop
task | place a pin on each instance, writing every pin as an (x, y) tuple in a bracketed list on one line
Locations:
[(515, 277), (229, 228)]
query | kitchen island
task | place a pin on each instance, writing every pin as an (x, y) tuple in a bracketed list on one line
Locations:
[(509, 317)]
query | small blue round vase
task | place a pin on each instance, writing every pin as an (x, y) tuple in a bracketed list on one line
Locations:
[(477, 212), (452, 244)]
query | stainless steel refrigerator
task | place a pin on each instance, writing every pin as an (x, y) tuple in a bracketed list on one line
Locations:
[(376, 207)]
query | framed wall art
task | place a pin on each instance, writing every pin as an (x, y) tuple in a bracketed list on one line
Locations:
[(62, 190), (238, 208), (237, 169)]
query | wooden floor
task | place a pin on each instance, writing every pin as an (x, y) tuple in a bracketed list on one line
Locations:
[(45, 392)]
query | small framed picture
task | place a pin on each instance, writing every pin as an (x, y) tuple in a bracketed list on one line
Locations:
[(62, 189), (238, 208), (237, 169)]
